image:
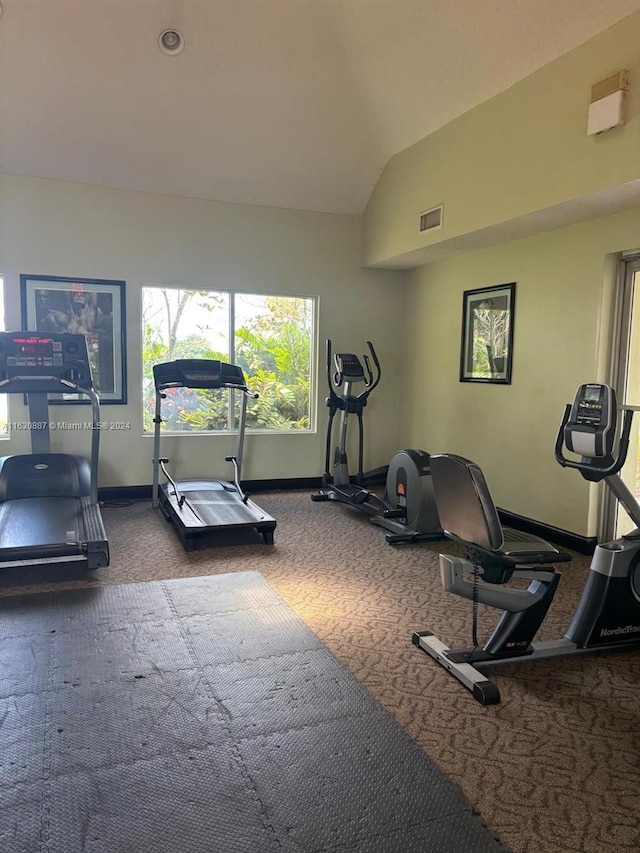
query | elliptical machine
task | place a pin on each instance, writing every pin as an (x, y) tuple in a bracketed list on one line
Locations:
[(608, 613), (407, 510)]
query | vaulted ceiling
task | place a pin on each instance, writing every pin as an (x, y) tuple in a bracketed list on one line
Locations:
[(288, 103)]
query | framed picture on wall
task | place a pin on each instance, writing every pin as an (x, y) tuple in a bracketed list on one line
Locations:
[(486, 352), (87, 306)]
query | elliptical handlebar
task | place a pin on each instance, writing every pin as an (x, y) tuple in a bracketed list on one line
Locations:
[(378, 374), (368, 375), (354, 372), (328, 365)]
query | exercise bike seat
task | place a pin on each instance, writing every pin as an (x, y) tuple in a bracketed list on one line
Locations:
[(468, 515)]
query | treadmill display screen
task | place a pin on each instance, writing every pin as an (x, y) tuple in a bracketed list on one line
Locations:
[(40, 363), (40, 346), (202, 377)]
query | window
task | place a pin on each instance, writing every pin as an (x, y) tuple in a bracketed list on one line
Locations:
[(270, 337), (627, 383), (4, 408)]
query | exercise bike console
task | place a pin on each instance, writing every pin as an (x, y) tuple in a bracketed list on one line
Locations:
[(588, 428)]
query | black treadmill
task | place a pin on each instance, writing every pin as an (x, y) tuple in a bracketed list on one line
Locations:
[(49, 509), (199, 507)]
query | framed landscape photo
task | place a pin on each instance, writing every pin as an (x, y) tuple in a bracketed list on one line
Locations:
[(86, 306), (486, 352)]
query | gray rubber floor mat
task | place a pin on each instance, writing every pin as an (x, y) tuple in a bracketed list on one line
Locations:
[(202, 716)]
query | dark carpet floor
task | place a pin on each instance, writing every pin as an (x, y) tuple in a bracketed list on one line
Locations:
[(555, 768)]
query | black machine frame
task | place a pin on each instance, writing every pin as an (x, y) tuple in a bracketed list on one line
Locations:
[(608, 613), (407, 510), (49, 509), (200, 507)]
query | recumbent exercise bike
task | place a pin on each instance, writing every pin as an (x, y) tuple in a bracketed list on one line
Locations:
[(608, 613)]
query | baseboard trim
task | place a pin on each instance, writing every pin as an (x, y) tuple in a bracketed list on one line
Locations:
[(124, 493), (564, 538), (141, 493)]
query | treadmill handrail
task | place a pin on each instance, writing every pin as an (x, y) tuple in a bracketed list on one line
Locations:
[(95, 416), (163, 386), (159, 461)]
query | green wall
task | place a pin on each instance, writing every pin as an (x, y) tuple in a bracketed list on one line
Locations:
[(564, 287), (518, 165), (523, 151)]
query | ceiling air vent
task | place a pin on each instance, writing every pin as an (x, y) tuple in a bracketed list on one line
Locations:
[(430, 219)]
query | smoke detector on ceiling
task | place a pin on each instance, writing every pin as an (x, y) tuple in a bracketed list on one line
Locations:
[(171, 41)]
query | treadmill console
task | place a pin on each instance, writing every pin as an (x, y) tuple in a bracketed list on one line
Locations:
[(590, 430), (26, 357), (197, 373)]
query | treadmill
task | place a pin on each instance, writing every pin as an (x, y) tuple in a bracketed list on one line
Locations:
[(199, 507), (49, 511)]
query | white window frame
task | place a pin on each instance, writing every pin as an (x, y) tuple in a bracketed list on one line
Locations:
[(4, 398), (231, 337)]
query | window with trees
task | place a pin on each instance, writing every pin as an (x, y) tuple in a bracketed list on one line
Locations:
[(4, 408), (270, 337)]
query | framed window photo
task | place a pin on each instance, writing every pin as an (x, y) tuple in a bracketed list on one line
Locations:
[(87, 306), (487, 334)]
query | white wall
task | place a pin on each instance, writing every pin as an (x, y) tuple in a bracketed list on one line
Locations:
[(63, 229)]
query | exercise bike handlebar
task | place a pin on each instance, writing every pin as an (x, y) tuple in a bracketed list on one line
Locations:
[(604, 471)]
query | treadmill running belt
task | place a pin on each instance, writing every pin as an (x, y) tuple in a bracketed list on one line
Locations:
[(34, 522), (221, 508), (203, 715)]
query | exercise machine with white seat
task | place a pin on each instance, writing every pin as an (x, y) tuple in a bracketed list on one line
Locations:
[(608, 613), (49, 510), (199, 507), (407, 509)]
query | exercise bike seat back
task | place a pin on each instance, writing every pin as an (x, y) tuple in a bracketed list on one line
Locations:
[(468, 515)]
